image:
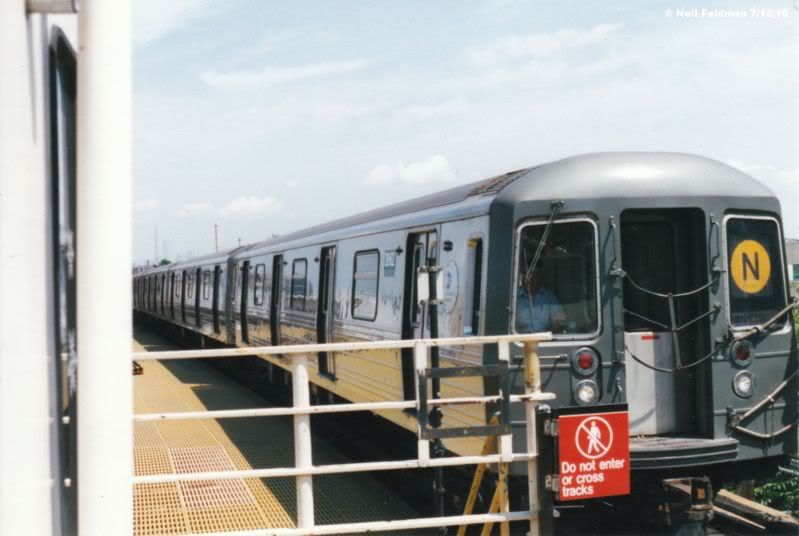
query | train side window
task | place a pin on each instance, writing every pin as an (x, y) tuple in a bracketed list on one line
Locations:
[(364, 285), (258, 290), (206, 284), (755, 280), (474, 276), (299, 270)]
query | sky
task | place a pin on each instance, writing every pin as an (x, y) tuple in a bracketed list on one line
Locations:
[(262, 117)]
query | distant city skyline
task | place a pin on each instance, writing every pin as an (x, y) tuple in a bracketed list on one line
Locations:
[(267, 117)]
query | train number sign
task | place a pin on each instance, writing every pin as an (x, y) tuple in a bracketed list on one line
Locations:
[(750, 266), (594, 455)]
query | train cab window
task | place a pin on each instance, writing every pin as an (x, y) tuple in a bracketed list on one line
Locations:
[(258, 289), (558, 291), (299, 269), (754, 269), (364, 285), (474, 276), (206, 284)]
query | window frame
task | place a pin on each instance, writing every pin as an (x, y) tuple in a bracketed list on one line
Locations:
[(724, 252), (562, 338), (255, 290), (354, 279), (294, 262)]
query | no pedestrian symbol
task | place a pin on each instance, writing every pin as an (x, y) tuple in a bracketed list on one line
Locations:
[(594, 437), (594, 455)]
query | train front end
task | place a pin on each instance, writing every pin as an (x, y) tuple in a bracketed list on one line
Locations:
[(663, 280)]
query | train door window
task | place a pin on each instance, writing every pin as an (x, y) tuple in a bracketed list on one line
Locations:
[(558, 291), (274, 304), (245, 281), (206, 285), (197, 317), (299, 271), (183, 292), (755, 280), (215, 304), (235, 282), (258, 288), (324, 311), (474, 276), (365, 284), (190, 290), (172, 289)]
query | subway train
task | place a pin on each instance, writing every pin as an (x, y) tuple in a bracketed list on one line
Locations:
[(661, 276)]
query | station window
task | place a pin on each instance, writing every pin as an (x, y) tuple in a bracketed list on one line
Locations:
[(299, 270), (258, 290), (558, 292), (754, 270), (364, 285), (206, 285), (474, 276)]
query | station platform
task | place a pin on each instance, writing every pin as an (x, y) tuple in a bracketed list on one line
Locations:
[(231, 444)]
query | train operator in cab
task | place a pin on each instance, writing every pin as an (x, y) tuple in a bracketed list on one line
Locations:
[(537, 309)]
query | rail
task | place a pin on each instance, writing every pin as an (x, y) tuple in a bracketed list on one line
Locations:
[(304, 470)]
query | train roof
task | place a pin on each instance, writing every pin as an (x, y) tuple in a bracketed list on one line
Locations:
[(614, 175), (626, 175)]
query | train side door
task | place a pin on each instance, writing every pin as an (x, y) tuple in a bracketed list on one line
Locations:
[(215, 305), (274, 299), (245, 278), (422, 251), (183, 278), (324, 310)]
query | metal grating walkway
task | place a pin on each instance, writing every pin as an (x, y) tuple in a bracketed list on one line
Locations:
[(227, 444)]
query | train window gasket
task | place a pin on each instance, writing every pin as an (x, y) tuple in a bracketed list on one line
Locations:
[(296, 297), (561, 337), (259, 284), (786, 325), (362, 276)]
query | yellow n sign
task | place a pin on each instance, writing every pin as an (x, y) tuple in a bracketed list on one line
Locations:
[(750, 266)]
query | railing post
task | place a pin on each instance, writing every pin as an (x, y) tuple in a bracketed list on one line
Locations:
[(302, 442), (532, 384), (419, 364), (505, 440)]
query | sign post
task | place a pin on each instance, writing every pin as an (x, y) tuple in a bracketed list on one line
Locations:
[(594, 455)]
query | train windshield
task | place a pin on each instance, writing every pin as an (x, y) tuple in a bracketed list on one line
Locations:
[(754, 275), (557, 291)]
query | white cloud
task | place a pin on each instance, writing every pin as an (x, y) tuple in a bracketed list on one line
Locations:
[(538, 46), (193, 209), (434, 170), (154, 19), (251, 205), (275, 75), (145, 205)]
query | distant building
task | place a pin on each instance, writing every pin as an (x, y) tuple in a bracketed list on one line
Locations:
[(792, 255)]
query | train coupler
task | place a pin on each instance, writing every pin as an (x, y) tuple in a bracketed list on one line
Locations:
[(687, 505)]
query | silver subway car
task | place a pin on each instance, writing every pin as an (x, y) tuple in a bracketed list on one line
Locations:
[(661, 276)]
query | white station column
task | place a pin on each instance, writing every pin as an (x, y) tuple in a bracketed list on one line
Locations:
[(105, 465)]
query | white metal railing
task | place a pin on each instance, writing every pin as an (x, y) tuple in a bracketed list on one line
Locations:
[(304, 470)]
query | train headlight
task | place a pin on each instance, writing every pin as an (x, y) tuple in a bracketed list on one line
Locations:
[(586, 392), (585, 361), (743, 384), (742, 353)]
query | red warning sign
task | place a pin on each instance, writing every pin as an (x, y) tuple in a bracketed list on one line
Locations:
[(594, 454)]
